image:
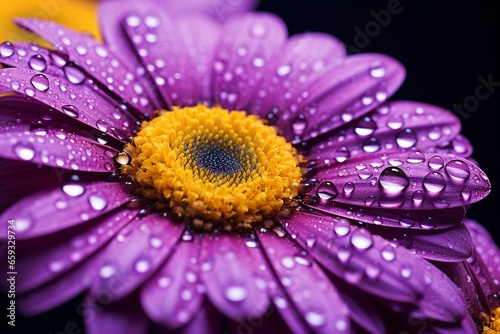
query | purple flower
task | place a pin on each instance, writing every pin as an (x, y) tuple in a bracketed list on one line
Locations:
[(201, 176)]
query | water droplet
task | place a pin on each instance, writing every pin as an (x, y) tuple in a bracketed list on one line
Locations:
[(327, 191), (73, 189), (107, 271), (236, 293), (395, 122), (38, 128), (348, 189), (436, 162), (284, 70), (38, 63), (361, 239), (458, 170), (377, 71), (466, 193), (71, 110), (406, 221), (163, 282), (288, 262), (73, 73), (342, 227), (24, 151), (388, 254), (393, 180), (434, 182), (142, 266), (365, 126), (258, 62), (428, 223), (56, 266), (102, 125), (315, 318), (406, 138), (97, 202), (371, 145), (299, 124), (415, 157), (40, 82), (6, 49), (406, 271)]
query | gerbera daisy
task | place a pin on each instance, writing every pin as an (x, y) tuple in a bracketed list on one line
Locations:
[(196, 176)]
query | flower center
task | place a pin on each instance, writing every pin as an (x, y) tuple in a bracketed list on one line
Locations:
[(213, 166), (494, 326)]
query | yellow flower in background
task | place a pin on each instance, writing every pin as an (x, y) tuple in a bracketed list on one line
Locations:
[(62, 11)]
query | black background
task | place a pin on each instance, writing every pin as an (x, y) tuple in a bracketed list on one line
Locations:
[(444, 45)]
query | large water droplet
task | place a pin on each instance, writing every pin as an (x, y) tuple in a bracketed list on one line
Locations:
[(24, 151), (371, 145), (38, 63), (327, 191), (73, 189), (6, 49), (434, 182), (342, 227), (393, 180), (406, 138), (365, 127), (436, 162), (97, 202), (315, 318), (73, 73), (71, 110), (361, 239), (40, 82), (236, 293), (458, 170)]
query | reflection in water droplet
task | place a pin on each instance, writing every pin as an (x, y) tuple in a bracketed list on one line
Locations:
[(458, 170), (361, 239), (327, 191), (235, 293), (393, 180), (434, 182), (24, 151)]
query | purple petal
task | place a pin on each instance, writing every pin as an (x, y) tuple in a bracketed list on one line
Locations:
[(101, 64), (230, 273), (376, 266), (393, 127), (206, 320), (134, 255), (44, 259), (161, 48), (23, 179), (72, 204), (486, 248), (345, 93), (220, 10), (54, 144), (298, 272), (445, 245), (79, 102), (303, 59), (173, 296), (32, 57), (404, 181), (245, 50), (125, 317)]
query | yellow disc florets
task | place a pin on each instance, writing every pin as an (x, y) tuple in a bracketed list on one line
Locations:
[(213, 165), (494, 325)]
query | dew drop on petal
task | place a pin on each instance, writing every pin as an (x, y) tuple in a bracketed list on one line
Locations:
[(6, 49), (97, 202), (393, 180), (24, 152), (288, 262), (415, 157), (142, 266), (434, 182), (73, 74), (406, 138), (327, 191), (388, 254), (436, 162), (23, 224), (342, 227), (371, 145), (428, 224), (107, 271), (466, 193), (38, 128), (458, 170), (235, 293), (71, 110), (155, 242), (365, 127), (38, 63), (315, 318), (73, 189), (406, 271), (361, 239)]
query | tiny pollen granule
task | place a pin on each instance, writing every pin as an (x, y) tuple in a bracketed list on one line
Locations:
[(213, 166)]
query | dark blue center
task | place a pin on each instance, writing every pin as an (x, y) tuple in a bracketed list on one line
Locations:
[(216, 159)]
